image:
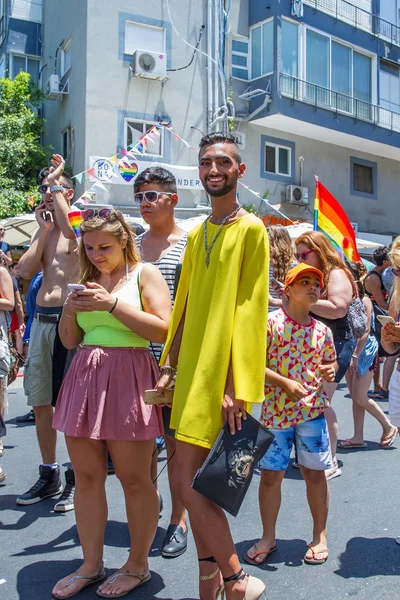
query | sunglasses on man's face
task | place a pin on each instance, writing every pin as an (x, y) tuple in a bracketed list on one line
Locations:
[(149, 196), (303, 255), (103, 213), (44, 187)]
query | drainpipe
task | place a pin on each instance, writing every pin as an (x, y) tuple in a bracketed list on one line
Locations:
[(209, 66), (216, 56)]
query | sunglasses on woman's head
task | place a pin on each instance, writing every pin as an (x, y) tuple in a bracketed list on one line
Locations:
[(303, 255), (149, 196), (103, 213)]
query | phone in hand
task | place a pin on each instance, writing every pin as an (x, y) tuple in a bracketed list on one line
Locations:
[(385, 320), (74, 288), (47, 216), (278, 283)]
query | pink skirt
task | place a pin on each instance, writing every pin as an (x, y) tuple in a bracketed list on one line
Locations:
[(102, 396)]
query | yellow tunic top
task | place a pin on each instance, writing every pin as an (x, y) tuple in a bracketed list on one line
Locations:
[(226, 315)]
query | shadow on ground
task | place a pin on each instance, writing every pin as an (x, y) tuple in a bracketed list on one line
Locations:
[(365, 557)]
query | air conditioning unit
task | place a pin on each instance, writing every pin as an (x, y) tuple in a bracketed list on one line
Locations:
[(355, 227), (52, 90), (150, 65), (296, 194)]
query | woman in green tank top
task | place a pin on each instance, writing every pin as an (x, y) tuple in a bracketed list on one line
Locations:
[(125, 305)]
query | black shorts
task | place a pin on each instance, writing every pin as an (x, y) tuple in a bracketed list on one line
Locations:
[(62, 358)]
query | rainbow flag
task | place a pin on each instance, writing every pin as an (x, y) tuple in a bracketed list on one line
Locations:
[(75, 219), (330, 219)]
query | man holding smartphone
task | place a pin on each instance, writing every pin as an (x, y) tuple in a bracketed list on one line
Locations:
[(54, 249)]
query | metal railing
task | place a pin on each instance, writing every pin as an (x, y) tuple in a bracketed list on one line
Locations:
[(322, 97), (2, 30), (358, 17)]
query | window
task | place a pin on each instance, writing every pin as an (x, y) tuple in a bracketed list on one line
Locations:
[(389, 79), (143, 37), (2, 21), (66, 55), (66, 144), (153, 145), (277, 159), (240, 51), (20, 62), (290, 51), (363, 178), (262, 49)]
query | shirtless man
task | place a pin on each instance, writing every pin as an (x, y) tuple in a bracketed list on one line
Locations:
[(54, 249)]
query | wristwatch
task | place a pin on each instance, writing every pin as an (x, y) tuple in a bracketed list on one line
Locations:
[(56, 188)]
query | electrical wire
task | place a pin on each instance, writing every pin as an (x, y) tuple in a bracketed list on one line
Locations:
[(194, 51)]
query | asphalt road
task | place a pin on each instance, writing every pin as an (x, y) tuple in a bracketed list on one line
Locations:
[(38, 546)]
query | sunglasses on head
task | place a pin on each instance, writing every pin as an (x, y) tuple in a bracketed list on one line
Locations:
[(303, 255), (396, 272), (149, 196), (44, 187), (103, 213)]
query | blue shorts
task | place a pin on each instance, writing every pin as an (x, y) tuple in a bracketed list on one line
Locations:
[(312, 445)]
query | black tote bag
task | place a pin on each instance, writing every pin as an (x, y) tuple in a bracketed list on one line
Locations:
[(227, 472)]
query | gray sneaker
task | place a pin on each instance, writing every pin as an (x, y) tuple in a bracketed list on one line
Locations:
[(66, 501), (48, 485)]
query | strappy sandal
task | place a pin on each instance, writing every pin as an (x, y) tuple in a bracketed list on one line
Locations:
[(252, 559), (75, 576), (314, 560), (255, 587), (389, 439), (143, 578), (220, 590)]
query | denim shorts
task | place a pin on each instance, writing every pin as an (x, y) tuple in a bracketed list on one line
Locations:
[(312, 446), (344, 350)]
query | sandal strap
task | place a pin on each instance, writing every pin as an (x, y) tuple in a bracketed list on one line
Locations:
[(75, 576), (208, 559), (208, 577), (236, 577), (139, 576)]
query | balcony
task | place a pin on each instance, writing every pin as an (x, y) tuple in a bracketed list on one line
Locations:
[(321, 97), (2, 29), (358, 17)]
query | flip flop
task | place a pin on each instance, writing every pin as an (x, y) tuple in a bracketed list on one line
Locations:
[(389, 439), (314, 560), (349, 444), (143, 578), (75, 576), (252, 560), (332, 473)]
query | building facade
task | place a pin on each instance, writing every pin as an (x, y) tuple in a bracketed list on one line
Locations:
[(309, 88)]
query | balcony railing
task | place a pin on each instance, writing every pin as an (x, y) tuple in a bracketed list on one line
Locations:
[(358, 17), (2, 30), (321, 97)]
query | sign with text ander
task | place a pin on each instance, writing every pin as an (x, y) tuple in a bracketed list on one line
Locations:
[(125, 170)]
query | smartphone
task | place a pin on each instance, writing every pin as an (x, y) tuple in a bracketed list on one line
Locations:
[(75, 287), (385, 320), (150, 397), (47, 216), (278, 283)]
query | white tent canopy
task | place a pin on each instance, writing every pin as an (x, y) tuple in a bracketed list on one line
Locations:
[(297, 230), (20, 229)]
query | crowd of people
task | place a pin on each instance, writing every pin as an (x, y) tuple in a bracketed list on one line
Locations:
[(254, 320)]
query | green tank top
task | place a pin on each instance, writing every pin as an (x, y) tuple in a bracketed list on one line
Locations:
[(103, 329)]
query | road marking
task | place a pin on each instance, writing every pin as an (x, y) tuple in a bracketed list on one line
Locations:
[(2, 581)]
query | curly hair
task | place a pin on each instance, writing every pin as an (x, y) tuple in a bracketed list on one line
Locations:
[(359, 271), (329, 258), (119, 228), (394, 256), (281, 251)]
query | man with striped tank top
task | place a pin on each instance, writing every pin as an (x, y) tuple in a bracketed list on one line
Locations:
[(163, 245)]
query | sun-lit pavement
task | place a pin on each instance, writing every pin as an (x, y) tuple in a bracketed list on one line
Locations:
[(38, 546)]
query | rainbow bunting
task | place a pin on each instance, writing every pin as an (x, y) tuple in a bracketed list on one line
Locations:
[(330, 219), (75, 220)]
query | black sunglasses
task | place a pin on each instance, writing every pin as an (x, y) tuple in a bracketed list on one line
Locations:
[(44, 187)]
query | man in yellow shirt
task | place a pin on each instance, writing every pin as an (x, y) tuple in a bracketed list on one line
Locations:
[(217, 343)]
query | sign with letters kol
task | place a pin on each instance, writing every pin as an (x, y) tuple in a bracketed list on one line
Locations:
[(126, 169)]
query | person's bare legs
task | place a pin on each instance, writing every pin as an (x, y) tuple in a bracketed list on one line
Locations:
[(360, 396), (3, 402), (46, 435), (358, 411), (377, 377), (89, 461), (388, 369), (332, 421), (18, 342), (210, 527), (178, 512), (318, 501), (269, 497), (132, 463)]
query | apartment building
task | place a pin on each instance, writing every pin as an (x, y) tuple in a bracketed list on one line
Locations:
[(309, 87)]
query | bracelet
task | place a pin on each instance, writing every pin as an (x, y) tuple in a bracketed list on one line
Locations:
[(354, 356), (115, 304), (167, 370)]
